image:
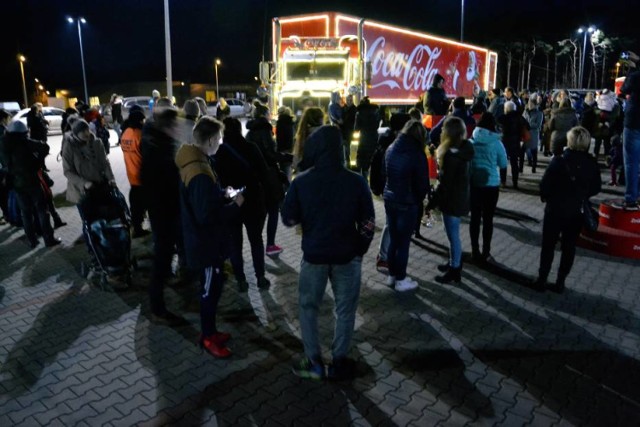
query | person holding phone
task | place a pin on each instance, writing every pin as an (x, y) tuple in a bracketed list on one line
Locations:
[(206, 209)]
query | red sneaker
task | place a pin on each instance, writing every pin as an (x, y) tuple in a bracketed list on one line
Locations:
[(210, 345), (221, 338), (273, 250)]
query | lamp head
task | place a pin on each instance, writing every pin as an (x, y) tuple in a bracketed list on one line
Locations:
[(70, 20)]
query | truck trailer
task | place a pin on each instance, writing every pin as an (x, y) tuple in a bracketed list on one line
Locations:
[(317, 54)]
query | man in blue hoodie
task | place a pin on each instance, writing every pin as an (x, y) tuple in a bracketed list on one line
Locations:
[(335, 209)]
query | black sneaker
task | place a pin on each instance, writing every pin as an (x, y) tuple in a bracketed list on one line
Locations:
[(630, 206), (264, 283), (309, 370)]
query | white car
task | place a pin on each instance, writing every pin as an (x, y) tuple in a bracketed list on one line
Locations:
[(51, 114), (236, 106)]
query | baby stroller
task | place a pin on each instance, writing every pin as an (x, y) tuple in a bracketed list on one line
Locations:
[(106, 223)]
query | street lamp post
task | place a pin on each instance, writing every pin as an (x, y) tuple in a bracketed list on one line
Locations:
[(617, 69), (216, 67), (584, 33), (462, 22), (84, 74), (22, 60)]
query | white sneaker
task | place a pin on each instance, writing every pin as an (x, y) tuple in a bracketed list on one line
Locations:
[(405, 285), (390, 281)]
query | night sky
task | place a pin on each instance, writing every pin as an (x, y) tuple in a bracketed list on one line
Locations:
[(124, 39)]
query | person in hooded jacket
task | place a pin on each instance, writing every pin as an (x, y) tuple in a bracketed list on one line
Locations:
[(454, 157), (261, 134), (512, 125), (334, 207), (367, 123), (240, 164), (37, 124), (24, 164), (5, 118), (161, 182), (570, 178), (407, 183), (206, 210), (488, 158), (349, 111)]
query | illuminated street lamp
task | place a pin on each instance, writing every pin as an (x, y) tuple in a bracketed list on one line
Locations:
[(617, 69), (216, 67), (584, 32), (22, 60), (84, 74)]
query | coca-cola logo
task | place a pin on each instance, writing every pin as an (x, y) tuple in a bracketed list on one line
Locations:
[(414, 71)]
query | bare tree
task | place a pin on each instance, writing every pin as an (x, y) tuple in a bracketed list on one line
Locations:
[(547, 49), (568, 48), (508, 51), (531, 56)]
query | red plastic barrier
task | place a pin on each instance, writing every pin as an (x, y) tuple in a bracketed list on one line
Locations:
[(612, 215)]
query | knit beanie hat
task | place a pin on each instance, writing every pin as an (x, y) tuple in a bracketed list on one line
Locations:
[(191, 108)]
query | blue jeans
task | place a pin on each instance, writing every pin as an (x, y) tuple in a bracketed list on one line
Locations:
[(452, 227), (383, 252), (401, 220), (345, 283), (631, 151)]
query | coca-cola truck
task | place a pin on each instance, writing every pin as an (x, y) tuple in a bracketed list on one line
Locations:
[(317, 54)]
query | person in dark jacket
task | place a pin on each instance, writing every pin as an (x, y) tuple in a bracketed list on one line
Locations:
[(459, 110), (349, 112), (407, 183), (285, 129), (116, 115), (223, 111), (240, 164), (568, 181), (261, 134), (510, 95), (377, 180), (562, 120), (205, 214), (454, 157), (334, 207), (37, 124), (367, 123), (496, 104), (24, 162), (512, 125), (435, 99), (161, 181), (5, 118)]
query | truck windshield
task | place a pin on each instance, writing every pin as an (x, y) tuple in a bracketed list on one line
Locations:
[(313, 70)]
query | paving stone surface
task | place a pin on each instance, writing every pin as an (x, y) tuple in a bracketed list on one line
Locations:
[(489, 351)]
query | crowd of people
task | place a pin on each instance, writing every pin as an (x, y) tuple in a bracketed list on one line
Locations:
[(201, 181)]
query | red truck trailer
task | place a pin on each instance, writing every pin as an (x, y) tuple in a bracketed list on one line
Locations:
[(317, 54)]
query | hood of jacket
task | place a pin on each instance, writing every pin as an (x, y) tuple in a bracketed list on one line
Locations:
[(465, 151), (482, 136), (191, 162), (323, 148)]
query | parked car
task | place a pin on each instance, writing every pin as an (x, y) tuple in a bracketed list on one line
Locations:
[(11, 107), (237, 107), (52, 114), (127, 103)]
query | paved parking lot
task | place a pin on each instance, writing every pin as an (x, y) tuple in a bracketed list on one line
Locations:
[(489, 351)]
